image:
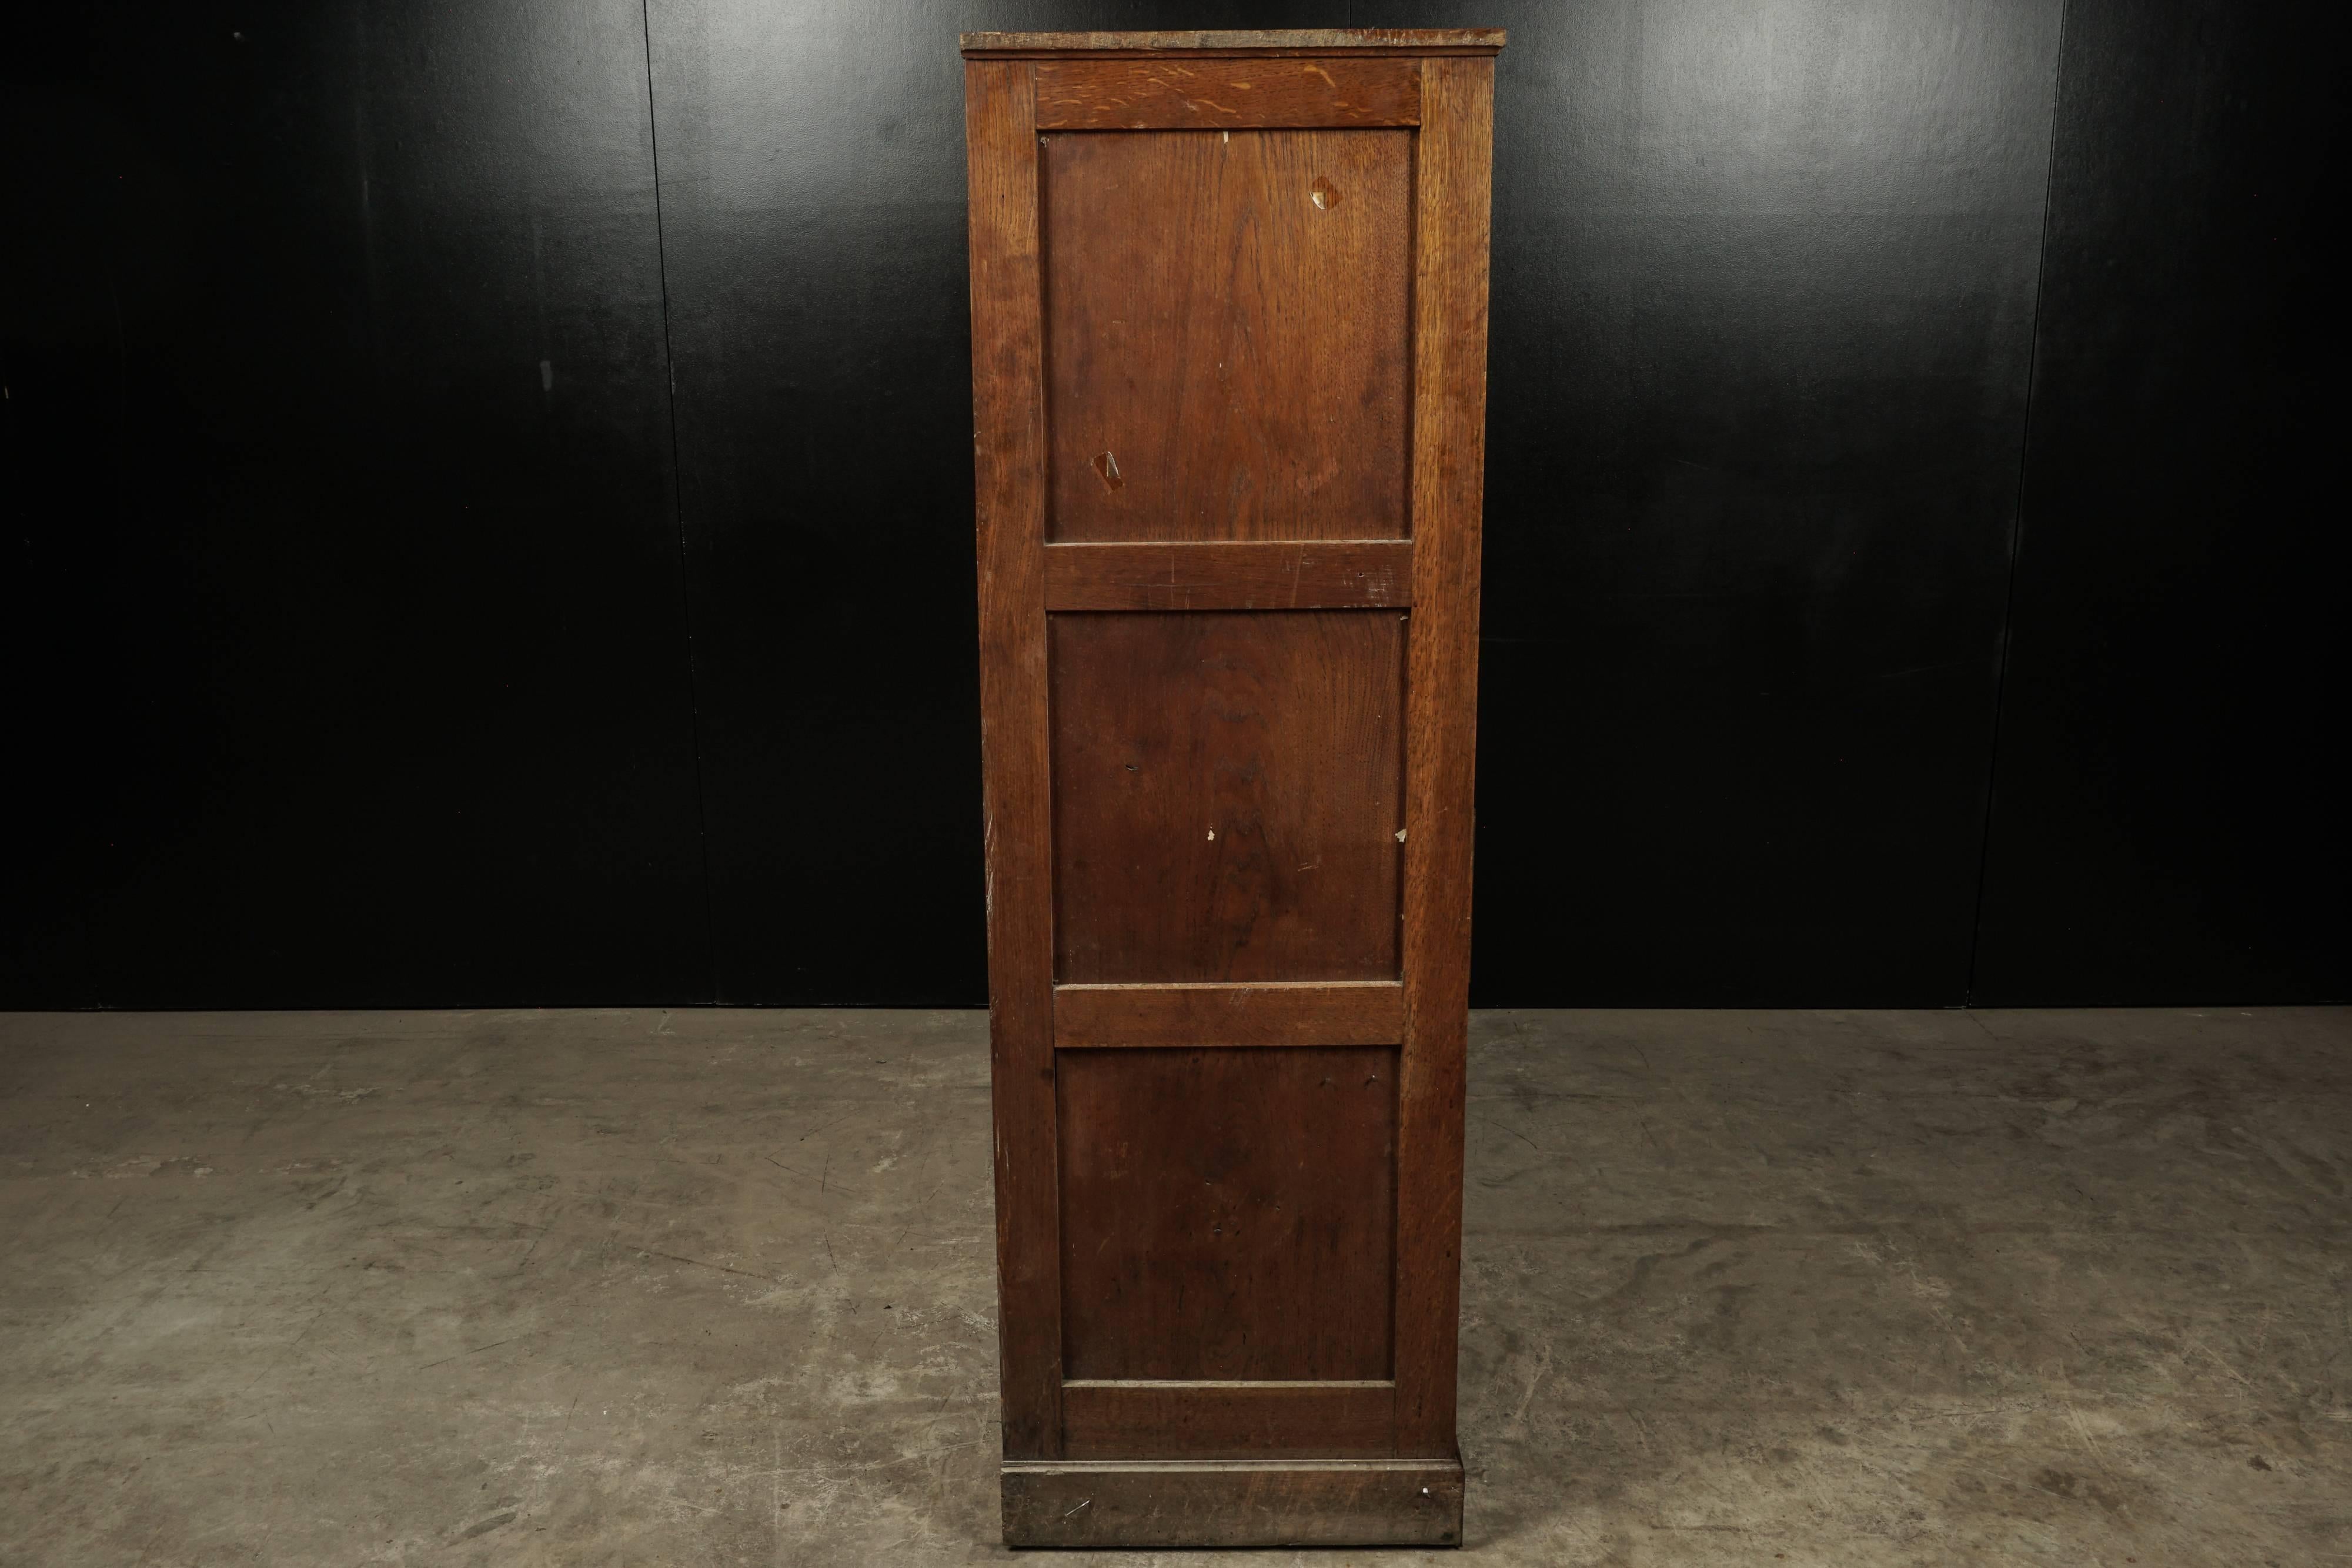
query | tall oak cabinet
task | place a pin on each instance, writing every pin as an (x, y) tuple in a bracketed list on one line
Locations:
[(1229, 334)]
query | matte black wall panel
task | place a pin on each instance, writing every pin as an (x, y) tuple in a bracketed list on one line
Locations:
[(344, 659), (2170, 822), (812, 196), (1764, 282)]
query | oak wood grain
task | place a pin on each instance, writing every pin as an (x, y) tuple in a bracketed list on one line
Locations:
[(1230, 333), (1255, 575), (1009, 470), (1357, 1012), (1227, 795), (1203, 1237), (1177, 93), (1448, 475)]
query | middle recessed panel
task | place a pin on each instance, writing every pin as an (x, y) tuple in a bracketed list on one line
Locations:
[(1228, 790)]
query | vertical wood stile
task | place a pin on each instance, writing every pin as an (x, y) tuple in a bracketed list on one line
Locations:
[(1009, 462), (1449, 416)]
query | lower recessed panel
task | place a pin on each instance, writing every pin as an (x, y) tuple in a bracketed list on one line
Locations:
[(1228, 1213)]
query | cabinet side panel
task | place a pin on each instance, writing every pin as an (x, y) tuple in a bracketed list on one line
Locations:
[(1228, 331), (1448, 473), (1009, 473)]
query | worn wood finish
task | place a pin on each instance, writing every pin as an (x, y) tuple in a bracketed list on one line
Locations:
[(1230, 381), (1342, 42), (1180, 93), (1008, 396), (1205, 1236), (1254, 1503), (1224, 575), (1228, 1420), (1448, 463), (1227, 795), (1228, 318), (1357, 1012)]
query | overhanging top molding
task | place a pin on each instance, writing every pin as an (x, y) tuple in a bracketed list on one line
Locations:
[(1311, 41)]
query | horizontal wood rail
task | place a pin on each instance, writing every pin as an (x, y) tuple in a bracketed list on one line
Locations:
[(1288, 574), (1344, 1012), (1192, 94), (1115, 1420)]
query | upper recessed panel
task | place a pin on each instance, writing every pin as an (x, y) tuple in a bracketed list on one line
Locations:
[(1227, 330)]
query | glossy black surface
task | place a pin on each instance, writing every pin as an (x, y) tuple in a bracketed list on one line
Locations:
[(380, 632), (2169, 816)]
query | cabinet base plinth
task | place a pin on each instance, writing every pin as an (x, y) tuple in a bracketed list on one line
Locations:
[(1232, 1502)]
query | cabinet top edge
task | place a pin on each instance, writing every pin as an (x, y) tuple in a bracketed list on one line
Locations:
[(1308, 41)]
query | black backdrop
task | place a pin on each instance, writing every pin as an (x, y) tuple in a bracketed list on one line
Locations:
[(489, 494)]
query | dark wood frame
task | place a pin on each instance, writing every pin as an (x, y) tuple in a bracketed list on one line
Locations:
[(1331, 1463)]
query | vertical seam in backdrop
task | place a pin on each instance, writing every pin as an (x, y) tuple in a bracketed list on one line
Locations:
[(2017, 512), (678, 510)]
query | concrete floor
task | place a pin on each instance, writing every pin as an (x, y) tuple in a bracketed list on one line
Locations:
[(716, 1287)]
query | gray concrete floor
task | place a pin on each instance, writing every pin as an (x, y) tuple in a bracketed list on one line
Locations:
[(716, 1287)]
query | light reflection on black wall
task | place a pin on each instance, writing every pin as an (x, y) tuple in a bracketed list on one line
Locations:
[(448, 568), (1764, 295), (2169, 823)]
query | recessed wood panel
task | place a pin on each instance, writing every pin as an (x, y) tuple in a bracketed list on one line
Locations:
[(1228, 333), (1202, 1237), (1227, 795)]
